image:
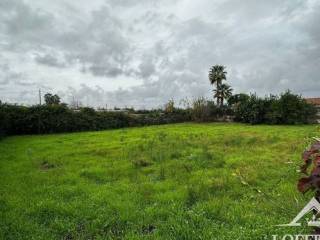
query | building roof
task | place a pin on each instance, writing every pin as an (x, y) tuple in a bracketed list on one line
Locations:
[(315, 101)]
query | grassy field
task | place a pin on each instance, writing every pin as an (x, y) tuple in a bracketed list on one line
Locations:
[(182, 181)]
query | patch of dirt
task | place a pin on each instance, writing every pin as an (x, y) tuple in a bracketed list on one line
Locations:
[(45, 166), (141, 163), (148, 229)]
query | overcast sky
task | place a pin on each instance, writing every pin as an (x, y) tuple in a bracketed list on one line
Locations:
[(144, 52)]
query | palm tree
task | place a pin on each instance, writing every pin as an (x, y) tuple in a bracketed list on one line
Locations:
[(217, 74), (223, 91)]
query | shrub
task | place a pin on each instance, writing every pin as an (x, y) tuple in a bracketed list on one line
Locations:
[(199, 110), (55, 118), (288, 108), (238, 98), (250, 110), (3, 121), (204, 110), (169, 106), (291, 109)]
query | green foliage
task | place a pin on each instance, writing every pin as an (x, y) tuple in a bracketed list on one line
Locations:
[(251, 111), (51, 99), (288, 108), (200, 110), (205, 111), (217, 75), (223, 91), (55, 118), (3, 121), (238, 98)]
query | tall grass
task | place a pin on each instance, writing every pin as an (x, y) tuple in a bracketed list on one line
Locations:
[(183, 181)]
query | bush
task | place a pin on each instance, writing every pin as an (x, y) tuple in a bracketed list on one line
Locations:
[(200, 111), (251, 110), (288, 108), (3, 121), (291, 109), (205, 111), (56, 118)]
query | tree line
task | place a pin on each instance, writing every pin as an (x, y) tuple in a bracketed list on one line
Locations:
[(55, 117), (287, 108)]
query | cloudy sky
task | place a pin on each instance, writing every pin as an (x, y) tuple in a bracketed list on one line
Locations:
[(143, 52)]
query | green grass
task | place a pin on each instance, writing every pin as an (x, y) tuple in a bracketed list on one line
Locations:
[(182, 181)]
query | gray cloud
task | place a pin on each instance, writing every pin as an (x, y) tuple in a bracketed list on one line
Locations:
[(9, 76), (49, 60), (143, 53)]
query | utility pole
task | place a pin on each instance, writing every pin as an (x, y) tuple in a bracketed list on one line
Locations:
[(74, 104), (39, 96)]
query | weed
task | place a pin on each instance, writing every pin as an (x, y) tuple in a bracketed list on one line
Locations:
[(141, 163), (162, 174)]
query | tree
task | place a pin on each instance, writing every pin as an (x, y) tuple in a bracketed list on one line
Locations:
[(51, 99), (223, 91), (237, 99), (200, 111), (288, 108), (217, 74), (169, 106)]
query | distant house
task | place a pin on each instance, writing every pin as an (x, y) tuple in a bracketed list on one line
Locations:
[(316, 102)]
